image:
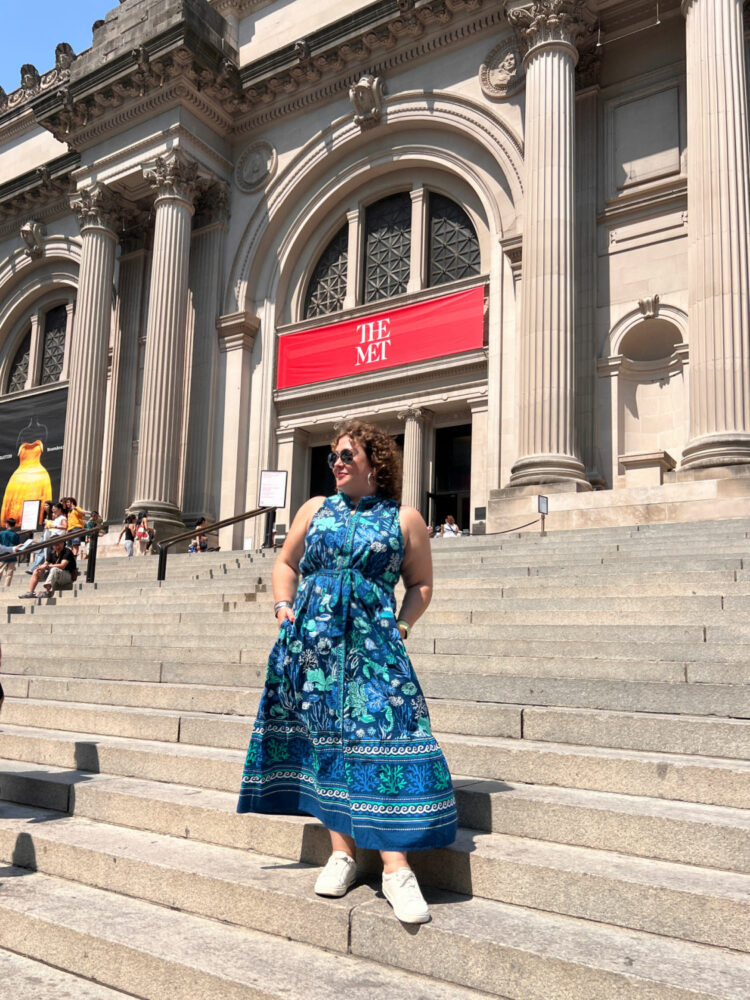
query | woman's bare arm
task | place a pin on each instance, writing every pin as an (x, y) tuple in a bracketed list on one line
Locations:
[(416, 568), (285, 576)]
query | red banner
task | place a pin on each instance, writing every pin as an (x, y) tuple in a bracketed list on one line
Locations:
[(435, 329)]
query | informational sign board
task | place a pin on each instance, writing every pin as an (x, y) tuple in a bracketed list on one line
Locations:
[(30, 515), (272, 491), (543, 505), (438, 328)]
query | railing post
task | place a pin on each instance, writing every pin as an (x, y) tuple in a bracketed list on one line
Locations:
[(162, 570), (91, 564)]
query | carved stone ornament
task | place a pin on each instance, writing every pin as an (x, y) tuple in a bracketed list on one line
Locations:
[(547, 21), (367, 100), (33, 233), (64, 57), (95, 206), (30, 78), (649, 307), (502, 74), (173, 176), (255, 166)]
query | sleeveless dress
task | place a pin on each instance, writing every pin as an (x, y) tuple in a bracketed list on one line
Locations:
[(343, 732)]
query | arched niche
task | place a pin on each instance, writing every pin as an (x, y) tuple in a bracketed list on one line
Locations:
[(643, 395)]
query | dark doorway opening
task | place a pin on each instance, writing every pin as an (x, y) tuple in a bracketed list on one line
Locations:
[(451, 494)]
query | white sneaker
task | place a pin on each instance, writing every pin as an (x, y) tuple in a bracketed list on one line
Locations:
[(401, 889), (337, 876)]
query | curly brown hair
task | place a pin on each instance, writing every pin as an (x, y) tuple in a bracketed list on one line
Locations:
[(382, 453)]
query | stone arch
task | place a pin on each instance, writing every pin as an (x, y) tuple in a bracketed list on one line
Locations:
[(441, 132), (26, 284)]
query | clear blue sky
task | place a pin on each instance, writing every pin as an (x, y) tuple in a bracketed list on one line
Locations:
[(29, 32)]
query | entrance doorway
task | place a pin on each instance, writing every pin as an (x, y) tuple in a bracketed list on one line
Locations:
[(452, 476)]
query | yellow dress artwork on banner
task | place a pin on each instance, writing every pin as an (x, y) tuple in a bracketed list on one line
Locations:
[(30, 481)]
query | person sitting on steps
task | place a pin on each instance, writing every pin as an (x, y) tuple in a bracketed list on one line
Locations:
[(58, 572)]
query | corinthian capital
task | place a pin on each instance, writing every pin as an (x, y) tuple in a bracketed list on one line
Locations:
[(173, 176), (549, 22), (96, 207)]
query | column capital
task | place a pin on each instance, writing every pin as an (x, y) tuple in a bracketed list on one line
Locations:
[(96, 208), (544, 23), (173, 177), (418, 414)]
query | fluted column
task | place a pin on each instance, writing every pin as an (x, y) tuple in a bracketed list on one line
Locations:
[(84, 421), (157, 483), (718, 232), (547, 445), (199, 498), (414, 446)]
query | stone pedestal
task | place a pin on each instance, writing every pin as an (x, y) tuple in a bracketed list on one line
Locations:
[(719, 232), (157, 484), (647, 468), (84, 422), (413, 490), (547, 445)]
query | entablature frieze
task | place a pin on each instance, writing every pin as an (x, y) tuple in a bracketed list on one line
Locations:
[(181, 67), (42, 192)]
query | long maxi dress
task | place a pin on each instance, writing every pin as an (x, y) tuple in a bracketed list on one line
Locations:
[(343, 732)]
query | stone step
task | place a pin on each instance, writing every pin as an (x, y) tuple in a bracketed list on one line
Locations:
[(583, 689), (24, 978), (156, 953), (639, 826), (664, 733), (708, 780), (258, 891), (680, 734)]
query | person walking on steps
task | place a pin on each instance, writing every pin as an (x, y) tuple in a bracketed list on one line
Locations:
[(343, 732)]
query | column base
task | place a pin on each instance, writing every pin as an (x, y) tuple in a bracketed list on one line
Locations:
[(715, 450), (164, 518), (538, 470)]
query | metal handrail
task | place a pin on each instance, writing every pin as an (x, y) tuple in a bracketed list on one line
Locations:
[(173, 539), (76, 533)]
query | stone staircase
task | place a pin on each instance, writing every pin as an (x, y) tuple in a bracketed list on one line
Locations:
[(591, 691)]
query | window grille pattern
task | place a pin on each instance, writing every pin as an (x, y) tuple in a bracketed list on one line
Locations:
[(53, 350), (327, 288), (19, 369), (387, 247), (454, 247)]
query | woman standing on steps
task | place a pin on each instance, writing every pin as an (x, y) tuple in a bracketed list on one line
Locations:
[(343, 731)]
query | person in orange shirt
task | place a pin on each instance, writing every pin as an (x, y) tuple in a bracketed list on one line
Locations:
[(75, 520)]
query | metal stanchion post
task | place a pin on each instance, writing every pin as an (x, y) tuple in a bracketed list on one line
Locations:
[(91, 564)]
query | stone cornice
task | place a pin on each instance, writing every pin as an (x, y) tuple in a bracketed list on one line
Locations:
[(381, 39), (34, 83), (179, 66), (41, 192)]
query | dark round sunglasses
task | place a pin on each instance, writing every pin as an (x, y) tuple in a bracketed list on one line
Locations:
[(346, 455)]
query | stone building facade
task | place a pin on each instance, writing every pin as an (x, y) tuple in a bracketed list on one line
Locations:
[(513, 233)]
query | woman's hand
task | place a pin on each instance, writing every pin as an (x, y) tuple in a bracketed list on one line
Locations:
[(284, 613)]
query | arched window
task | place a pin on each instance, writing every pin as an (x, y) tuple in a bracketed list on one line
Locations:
[(454, 247), (53, 350), (19, 369), (40, 357), (385, 232), (327, 288), (387, 247)]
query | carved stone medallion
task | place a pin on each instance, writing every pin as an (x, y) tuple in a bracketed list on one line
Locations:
[(501, 74), (255, 166)]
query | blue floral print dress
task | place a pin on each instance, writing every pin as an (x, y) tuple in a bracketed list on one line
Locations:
[(343, 732)]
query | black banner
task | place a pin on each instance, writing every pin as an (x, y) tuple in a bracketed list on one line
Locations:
[(31, 449)]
